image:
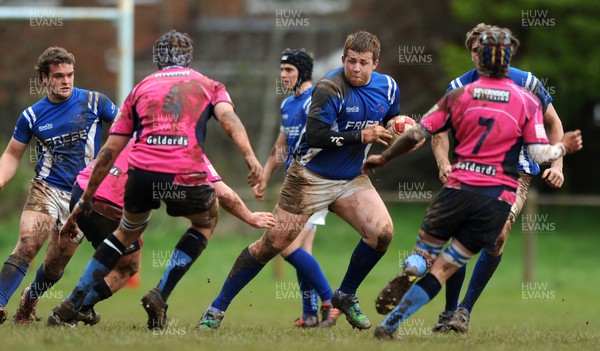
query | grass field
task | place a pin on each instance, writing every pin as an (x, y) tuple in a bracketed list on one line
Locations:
[(559, 310)]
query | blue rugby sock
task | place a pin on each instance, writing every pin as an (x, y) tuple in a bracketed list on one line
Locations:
[(100, 292), (415, 298), (189, 247), (482, 273), (11, 276), (104, 260), (363, 259), (41, 284), (308, 268), (310, 298), (243, 271), (453, 287)]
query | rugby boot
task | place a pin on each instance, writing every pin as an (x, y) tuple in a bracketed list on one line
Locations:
[(26, 312), (348, 305), (3, 314), (329, 315), (211, 319), (382, 334), (307, 321), (392, 293), (88, 316), (156, 308), (460, 320), (442, 324), (63, 315)]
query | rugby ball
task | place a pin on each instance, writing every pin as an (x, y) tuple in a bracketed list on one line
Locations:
[(398, 125)]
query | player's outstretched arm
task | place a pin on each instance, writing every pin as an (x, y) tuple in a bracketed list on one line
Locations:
[(553, 175), (237, 132), (232, 203), (104, 162), (571, 142), (9, 162), (276, 159), (440, 145), (403, 145)]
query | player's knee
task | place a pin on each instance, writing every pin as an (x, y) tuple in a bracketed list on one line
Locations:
[(264, 250), (27, 248), (208, 219), (384, 237)]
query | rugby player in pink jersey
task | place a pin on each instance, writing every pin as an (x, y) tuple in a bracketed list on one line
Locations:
[(168, 111), (491, 119), (104, 218)]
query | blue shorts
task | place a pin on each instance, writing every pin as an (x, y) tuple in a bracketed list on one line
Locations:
[(145, 190), (475, 220)]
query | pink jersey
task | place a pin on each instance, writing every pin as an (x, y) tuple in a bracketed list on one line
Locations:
[(169, 110), (112, 188), (491, 119)]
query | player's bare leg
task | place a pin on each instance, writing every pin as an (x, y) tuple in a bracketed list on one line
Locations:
[(104, 260), (34, 229), (444, 266), (188, 249), (367, 214), (251, 261), (58, 254), (116, 279)]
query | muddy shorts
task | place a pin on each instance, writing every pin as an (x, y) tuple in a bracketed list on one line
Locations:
[(305, 192)]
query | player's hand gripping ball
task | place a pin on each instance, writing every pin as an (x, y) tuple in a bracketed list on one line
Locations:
[(398, 125)]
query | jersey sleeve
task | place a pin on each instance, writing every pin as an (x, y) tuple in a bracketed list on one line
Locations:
[(22, 132), (533, 130), (220, 95), (535, 86), (107, 110), (326, 102), (393, 98), (210, 170)]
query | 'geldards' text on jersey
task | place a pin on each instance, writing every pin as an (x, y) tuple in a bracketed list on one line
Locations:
[(169, 110), (347, 108), (526, 80), (68, 134), (294, 111), (492, 119)]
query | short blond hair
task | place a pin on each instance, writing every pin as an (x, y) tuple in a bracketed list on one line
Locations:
[(363, 41)]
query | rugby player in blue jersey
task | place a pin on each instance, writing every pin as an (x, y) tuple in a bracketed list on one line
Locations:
[(67, 127), (296, 77), (349, 106)]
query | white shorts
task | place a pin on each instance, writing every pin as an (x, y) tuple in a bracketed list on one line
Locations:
[(305, 192), (46, 199), (318, 218)]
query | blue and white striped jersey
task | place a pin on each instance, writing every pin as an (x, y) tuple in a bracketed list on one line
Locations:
[(68, 134), (294, 111)]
